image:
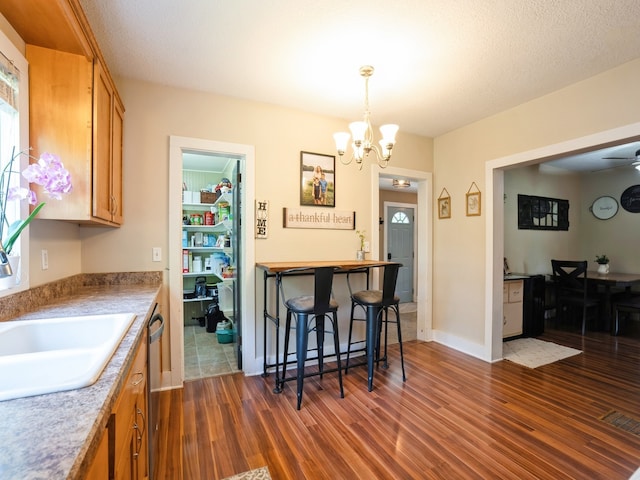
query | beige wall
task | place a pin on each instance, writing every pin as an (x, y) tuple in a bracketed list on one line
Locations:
[(603, 102), (530, 251)]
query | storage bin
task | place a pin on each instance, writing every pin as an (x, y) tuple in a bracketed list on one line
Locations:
[(225, 336), (207, 197)]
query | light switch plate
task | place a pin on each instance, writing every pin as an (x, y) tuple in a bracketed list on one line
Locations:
[(156, 254)]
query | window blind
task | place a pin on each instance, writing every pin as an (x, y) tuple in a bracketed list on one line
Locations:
[(9, 81)]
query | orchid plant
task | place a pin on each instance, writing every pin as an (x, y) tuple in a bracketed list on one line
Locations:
[(48, 172)]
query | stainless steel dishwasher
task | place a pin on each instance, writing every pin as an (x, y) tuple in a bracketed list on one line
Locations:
[(155, 328)]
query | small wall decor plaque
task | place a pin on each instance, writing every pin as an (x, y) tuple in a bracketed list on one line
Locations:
[(262, 218), (474, 202), (604, 208), (444, 204), (630, 199), (312, 218)]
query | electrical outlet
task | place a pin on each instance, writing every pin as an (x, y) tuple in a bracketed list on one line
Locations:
[(45, 259), (367, 248), (156, 254)]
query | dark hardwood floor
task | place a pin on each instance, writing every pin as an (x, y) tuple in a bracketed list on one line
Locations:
[(456, 417)]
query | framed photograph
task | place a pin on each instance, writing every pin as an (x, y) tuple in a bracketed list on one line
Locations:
[(473, 204), (444, 207), (317, 179)]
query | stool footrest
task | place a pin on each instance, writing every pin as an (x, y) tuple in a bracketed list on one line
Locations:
[(311, 374)]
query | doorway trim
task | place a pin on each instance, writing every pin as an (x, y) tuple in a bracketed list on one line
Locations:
[(424, 226), (246, 156), (494, 226)]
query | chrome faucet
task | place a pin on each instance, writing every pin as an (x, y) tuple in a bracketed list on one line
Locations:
[(5, 267)]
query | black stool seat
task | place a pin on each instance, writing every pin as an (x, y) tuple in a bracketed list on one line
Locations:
[(371, 297), (305, 304)]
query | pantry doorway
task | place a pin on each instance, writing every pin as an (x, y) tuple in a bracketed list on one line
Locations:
[(195, 349)]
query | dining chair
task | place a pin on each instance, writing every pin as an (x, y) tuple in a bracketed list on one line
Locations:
[(571, 288), (376, 305), (627, 303), (310, 313)]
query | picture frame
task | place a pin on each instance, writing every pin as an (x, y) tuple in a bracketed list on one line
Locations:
[(473, 201), (317, 179), (542, 213), (444, 207), (474, 204)]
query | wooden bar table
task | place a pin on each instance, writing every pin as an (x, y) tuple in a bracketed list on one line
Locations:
[(277, 270)]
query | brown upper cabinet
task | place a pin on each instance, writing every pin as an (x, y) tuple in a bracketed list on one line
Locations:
[(75, 110), (108, 122)]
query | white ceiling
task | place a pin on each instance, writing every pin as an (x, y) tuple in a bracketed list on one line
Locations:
[(440, 64)]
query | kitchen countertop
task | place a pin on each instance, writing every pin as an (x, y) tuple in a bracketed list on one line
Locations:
[(515, 276), (49, 436)]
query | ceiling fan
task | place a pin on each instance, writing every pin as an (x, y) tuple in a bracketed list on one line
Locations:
[(635, 160)]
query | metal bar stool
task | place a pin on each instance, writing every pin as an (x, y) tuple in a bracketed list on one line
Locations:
[(376, 304), (310, 312)]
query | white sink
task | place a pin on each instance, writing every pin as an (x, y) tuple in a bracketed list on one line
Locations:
[(56, 354)]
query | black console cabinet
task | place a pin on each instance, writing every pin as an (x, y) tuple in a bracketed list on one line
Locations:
[(533, 314)]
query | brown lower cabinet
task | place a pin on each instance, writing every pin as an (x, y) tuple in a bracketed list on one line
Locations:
[(99, 468), (123, 451)]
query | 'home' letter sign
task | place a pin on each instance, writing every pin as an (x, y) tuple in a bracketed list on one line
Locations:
[(262, 216)]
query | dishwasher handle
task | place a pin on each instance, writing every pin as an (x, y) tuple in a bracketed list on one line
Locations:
[(157, 333)]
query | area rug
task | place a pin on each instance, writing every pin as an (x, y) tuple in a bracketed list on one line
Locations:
[(261, 473), (410, 307), (533, 353)]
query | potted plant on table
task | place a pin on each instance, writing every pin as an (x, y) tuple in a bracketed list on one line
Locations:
[(48, 172), (603, 264)]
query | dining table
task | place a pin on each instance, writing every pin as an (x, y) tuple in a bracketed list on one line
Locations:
[(277, 271), (610, 282)]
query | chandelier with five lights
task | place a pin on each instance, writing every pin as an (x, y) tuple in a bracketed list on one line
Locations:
[(362, 133)]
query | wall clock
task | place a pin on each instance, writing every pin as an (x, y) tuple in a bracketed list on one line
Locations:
[(604, 207), (630, 199)]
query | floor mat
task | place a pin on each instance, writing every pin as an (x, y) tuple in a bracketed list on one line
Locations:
[(261, 473), (533, 353)]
